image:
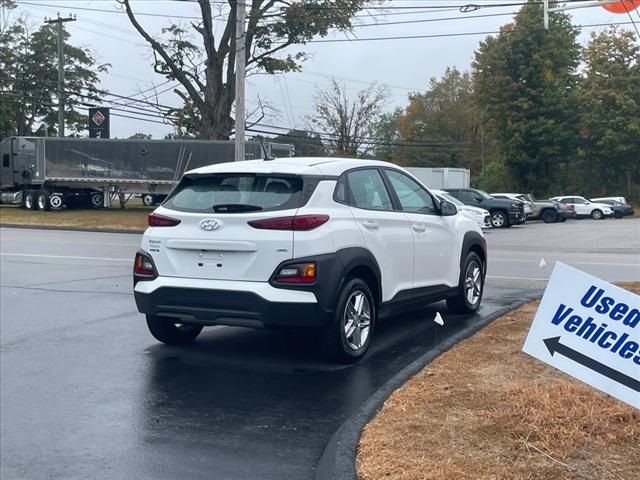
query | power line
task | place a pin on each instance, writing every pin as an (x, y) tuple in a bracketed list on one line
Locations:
[(445, 35), (631, 18), (323, 7)]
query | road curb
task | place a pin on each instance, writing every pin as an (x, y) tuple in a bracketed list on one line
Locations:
[(71, 229), (338, 461)]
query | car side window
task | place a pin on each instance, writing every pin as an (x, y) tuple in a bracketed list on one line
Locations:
[(466, 197), (412, 196), (368, 191), (340, 194)]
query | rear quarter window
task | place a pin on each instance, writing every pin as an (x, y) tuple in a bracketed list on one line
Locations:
[(234, 193)]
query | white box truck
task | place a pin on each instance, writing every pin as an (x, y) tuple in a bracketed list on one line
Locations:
[(440, 178)]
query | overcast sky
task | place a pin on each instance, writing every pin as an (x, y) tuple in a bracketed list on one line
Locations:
[(402, 65)]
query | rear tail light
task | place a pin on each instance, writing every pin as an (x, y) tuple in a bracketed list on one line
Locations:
[(297, 273), (298, 222), (156, 220), (143, 267)]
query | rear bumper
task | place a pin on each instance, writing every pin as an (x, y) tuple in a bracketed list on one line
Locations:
[(213, 302)]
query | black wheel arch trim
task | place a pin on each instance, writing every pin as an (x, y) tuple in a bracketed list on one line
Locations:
[(473, 241), (333, 270)]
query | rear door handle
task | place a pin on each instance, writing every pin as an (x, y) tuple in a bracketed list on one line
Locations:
[(370, 224), (418, 228)]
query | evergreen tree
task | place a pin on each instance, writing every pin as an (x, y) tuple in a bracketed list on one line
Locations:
[(29, 79), (525, 81), (610, 114)]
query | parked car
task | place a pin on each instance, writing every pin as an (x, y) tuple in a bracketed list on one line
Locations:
[(619, 209), (585, 208), (481, 216), (617, 199), (528, 208), (318, 243), (549, 211), (504, 213)]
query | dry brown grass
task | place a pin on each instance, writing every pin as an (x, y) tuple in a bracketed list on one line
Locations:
[(131, 218), (486, 410)]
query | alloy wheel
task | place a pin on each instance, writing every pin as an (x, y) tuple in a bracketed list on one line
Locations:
[(497, 220), (357, 320), (473, 283)]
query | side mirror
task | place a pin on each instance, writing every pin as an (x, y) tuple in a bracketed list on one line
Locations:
[(447, 209), (478, 199)]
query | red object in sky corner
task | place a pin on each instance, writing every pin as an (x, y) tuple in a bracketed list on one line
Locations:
[(622, 6)]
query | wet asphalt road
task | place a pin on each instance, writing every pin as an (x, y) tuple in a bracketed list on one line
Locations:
[(85, 392)]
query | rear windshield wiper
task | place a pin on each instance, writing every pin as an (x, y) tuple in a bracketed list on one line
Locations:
[(235, 207)]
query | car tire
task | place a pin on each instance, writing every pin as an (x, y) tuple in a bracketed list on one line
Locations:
[(167, 330), (343, 337), (499, 219), (617, 214), (597, 214), (562, 219), (30, 202), (43, 201), (470, 287), (549, 216), (148, 200)]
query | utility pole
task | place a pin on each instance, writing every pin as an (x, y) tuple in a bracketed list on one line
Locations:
[(59, 21), (240, 78)]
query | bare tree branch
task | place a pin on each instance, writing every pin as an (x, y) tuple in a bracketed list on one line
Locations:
[(177, 73)]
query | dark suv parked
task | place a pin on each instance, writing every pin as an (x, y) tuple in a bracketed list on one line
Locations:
[(504, 213), (619, 209)]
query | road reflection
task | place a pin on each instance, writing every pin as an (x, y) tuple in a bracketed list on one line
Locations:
[(250, 404)]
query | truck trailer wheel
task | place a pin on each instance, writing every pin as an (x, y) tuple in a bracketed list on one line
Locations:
[(30, 200), (97, 200), (43, 201), (148, 200), (56, 201)]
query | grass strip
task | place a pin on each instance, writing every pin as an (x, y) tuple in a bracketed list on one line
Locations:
[(486, 410), (132, 219)]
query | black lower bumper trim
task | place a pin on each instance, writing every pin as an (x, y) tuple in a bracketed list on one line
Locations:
[(223, 307)]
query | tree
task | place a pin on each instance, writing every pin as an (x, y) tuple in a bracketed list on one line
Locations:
[(141, 136), (610, 113), (386, 132), (8, 103), (29, 66), (348, 124), (525, 81), (446, 117), (307, 144), (206, 72)]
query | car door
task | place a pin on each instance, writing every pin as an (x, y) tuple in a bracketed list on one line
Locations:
[(436, 259), (386, 232), (578, 205)]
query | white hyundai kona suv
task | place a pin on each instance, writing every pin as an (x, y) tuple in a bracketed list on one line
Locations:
[(327, 244)]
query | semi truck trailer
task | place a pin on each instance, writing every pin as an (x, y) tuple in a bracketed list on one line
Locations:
[(52, 173)]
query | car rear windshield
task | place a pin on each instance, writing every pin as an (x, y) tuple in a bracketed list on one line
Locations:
[(236, 193)]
